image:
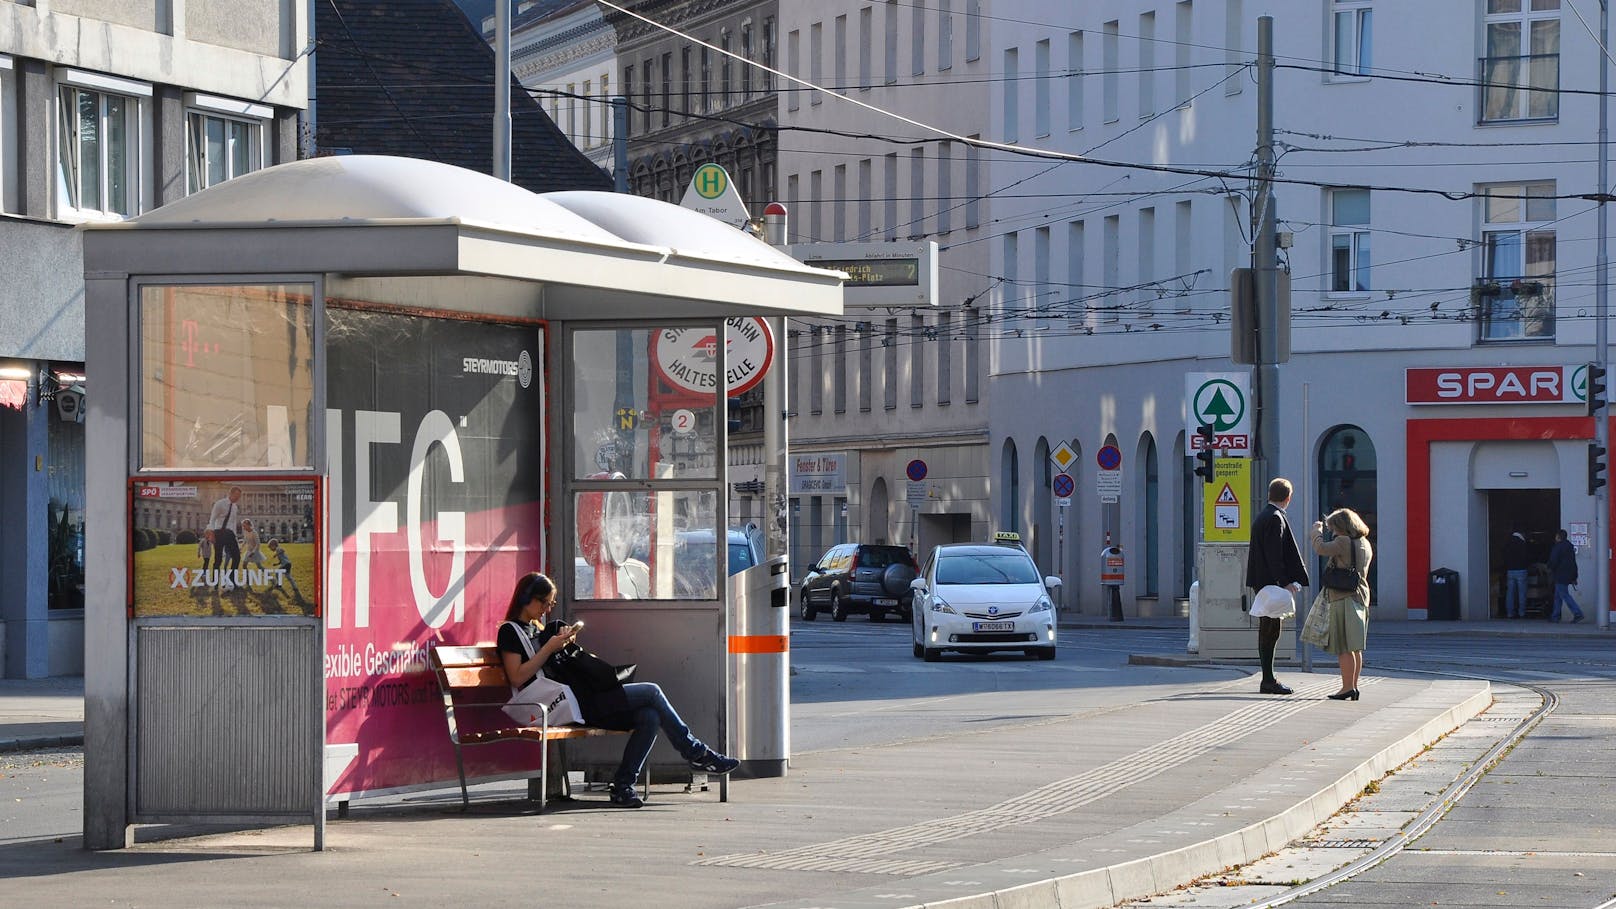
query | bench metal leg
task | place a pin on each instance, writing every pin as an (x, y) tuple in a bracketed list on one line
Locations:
[(460, 765)]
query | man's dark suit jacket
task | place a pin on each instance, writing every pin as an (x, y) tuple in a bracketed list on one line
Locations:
[(1273, 557)]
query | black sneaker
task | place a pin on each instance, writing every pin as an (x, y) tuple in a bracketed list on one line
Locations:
[(710, 761), (625, 798)]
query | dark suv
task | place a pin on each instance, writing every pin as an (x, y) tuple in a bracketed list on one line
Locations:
[(860, 577)]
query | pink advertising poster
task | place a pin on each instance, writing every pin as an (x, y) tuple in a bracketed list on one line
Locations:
[(435, 506)]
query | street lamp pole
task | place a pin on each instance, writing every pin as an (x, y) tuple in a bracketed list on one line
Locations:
[(1601, 546)]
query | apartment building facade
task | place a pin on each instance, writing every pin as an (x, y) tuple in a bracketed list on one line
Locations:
[(1440, 256), (107, 109)]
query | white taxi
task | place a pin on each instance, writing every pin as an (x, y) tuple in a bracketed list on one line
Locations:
[(978, 597)]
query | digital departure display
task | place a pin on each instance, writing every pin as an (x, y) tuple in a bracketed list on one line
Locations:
[(902, 272)]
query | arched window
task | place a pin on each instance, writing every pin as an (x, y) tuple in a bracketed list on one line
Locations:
[(1347, 479), (1011, 471), (1149, 546), (1043, 514)]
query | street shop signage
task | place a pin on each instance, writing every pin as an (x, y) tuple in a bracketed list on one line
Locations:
[(1495, 385)]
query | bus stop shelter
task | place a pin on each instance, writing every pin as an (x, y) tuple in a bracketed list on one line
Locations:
[(341, 406)]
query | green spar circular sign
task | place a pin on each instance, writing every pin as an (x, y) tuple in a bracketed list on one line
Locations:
[(1220, 404)]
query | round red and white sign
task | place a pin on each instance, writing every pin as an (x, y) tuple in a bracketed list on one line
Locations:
[(688, 357)]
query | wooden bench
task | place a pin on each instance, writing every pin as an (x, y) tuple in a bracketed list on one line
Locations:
[(473, 678)]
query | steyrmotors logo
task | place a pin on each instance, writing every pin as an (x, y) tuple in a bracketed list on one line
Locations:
[(524, 369), (1220, 404), (521, 367)]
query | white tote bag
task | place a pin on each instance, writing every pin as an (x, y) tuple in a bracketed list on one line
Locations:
[(1274, 603), (529, 703)]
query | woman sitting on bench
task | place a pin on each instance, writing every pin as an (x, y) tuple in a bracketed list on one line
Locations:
[(641, 709)]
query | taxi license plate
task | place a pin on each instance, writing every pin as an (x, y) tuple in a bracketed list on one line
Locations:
[(884, 601), (994, 626)]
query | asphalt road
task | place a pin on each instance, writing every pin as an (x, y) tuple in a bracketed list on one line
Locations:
[(1538, 830)]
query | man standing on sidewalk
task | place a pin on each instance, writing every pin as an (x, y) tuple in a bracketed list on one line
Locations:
[(1273, 558), (1516, 564)]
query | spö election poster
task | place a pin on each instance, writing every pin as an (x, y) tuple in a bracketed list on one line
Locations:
[(211, 547)]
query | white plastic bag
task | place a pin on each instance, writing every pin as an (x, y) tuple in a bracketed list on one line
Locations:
[(1274, 603)]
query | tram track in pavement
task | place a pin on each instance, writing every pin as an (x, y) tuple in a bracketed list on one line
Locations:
[(1507, 668)]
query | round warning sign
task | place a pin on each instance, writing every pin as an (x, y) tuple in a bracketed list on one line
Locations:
[(688, 357)]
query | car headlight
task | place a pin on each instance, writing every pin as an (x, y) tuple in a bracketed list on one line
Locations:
[(937, 605), (1043, 605)]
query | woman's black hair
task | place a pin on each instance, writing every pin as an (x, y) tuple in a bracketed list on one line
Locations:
[(531, 586)]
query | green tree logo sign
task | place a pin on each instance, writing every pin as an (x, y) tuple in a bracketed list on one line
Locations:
[(1220, 404)]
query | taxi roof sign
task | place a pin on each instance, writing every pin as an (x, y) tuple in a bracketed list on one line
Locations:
[(1007, 536)]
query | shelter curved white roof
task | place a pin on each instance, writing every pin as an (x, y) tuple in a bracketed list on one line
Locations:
[(360, 189), (684, 232)]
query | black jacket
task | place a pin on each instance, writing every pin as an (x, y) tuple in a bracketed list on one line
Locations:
[(1563, 562), (1273, 556), (1515, 555)]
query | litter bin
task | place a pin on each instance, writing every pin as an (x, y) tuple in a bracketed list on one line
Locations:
[(1442, 596), (760, 694)]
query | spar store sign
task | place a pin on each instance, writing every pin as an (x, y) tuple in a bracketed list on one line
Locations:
[(688, 357), (1496, 385)]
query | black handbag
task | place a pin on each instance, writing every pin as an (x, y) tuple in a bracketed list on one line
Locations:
[(1343, 579)]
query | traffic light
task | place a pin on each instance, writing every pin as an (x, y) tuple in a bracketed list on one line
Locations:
[(1595, 396), (1596, 467), (1205, 455)]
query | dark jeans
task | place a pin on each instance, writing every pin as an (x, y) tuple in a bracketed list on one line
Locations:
[(226, 551), (1267, 642), (1562, 594), (649, 711)]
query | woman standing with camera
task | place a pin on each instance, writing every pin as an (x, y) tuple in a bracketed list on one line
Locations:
[(1349, 554)]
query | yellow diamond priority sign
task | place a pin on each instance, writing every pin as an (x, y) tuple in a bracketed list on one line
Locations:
[(1063, 457)]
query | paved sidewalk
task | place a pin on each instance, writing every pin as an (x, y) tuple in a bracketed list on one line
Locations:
[(1079, 797), (41, 713)]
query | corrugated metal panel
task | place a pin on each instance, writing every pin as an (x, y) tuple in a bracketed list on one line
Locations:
[(225, 720)]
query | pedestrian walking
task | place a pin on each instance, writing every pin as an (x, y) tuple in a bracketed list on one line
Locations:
[(1347, 548), (1273, 558), (1563, 571), (1517, 561)]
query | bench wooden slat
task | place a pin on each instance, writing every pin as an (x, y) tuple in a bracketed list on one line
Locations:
[(462, 669)]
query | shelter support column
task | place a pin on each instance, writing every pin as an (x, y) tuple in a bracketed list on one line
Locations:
[(106, 626)]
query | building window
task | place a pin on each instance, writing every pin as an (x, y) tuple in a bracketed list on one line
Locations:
[(889, 173), (1515, 294), (1012, 94), (945, 34), (1183, 41), (1110, 264), (917, 360), (645, 95), (816, 198), (1076, 292), (794, 66), (628, 95), (866, 49), (816, 61), (890, 40), (945, 357), (945, 187), (839, 383), (1146, 279), (746, 70), (706, 81), (1349, 241), (219, 148), (973, 185), (1109, 61), (1074, 81), (838, 211), (687, 76), (1350, 42), (1147, 65), (865, 365), (865, 178), (973, 30), (889, 345), (973, 355), (768, 53), (1041, 79), (1234, 31), (917, 193), (841, 54), (1043, 293), (917, 47), (667, 89), (816, 355), (8, 139), (1520, 76), (588, 107), (725, 69), (99, 152)]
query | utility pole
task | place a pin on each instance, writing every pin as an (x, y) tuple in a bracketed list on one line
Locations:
[(1601, 355), (502, 89), (1265, 270)]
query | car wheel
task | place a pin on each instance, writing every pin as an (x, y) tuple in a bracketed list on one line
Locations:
[(809, 613), (919, 650), (838, 609), (1042, 653), (930, 654)]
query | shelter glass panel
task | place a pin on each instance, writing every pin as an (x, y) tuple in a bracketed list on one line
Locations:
[(639, 545), (227, 376), (645, 403)]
